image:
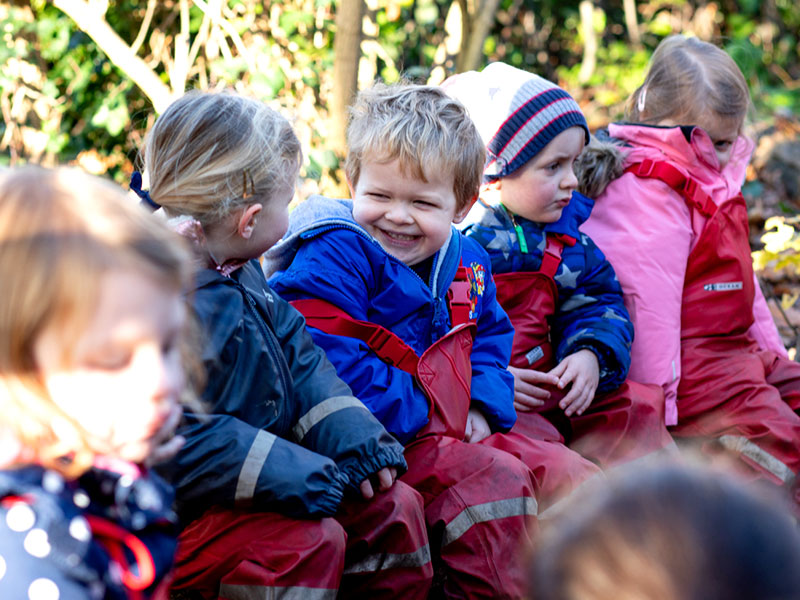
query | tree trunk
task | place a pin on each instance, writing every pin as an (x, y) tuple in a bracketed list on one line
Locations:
[(347, 54), (479, 25), (589, 42), (631, 22), (118, 52)]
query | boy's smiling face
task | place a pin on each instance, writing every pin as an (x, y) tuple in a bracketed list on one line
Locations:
[(409, 217), (540, 189)]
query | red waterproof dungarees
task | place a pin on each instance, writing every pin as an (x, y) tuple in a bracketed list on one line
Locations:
[(618, 426), (745, 398), (479, 499), (371, 549)]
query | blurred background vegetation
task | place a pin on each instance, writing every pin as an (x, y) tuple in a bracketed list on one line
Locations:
[(82, 80)]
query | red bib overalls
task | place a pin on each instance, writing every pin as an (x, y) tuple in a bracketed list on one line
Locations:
[(371, 549), (479, 498), (618, 426), (745, 398)]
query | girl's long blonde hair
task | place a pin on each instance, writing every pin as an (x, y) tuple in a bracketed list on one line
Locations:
[(60, 232), (688, 82)]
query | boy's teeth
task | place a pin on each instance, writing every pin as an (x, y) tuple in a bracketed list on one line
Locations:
[(400, 236)]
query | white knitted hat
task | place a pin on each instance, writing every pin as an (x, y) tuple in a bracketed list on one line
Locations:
[(517, 113)]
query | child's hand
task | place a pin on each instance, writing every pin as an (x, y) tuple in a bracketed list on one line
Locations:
[(582, 370), (528, 396), (385, 479), (477, 427), (165, 444)]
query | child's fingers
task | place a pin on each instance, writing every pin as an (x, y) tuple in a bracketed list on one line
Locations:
[(166, 451), (558, 370), (526, 403), (581, 404), (568, 375), (167, 429), (575, 392), (385, 479), (366, 489), (532, 376), (520, 387), (479, 433)]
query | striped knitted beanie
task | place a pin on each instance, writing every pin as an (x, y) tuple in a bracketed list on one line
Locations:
[(517, 114)]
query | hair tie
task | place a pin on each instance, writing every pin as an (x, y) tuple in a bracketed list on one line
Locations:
[(136, 186), (642, 96)]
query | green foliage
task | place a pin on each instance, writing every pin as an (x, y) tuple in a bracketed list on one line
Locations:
[(781, 250), (66, 92)]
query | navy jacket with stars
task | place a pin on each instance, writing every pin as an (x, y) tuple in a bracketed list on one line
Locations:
[(327, 255), (54, 533), (590, 312), (284, 433)]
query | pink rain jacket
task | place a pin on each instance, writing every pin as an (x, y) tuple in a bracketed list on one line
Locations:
[(646, 231)]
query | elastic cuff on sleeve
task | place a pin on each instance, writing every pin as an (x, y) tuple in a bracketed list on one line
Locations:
[(358, 470), (328, 503)]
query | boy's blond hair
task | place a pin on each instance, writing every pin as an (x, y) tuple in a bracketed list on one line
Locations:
[(210, 154), (690, 81), (423, 128), (61, 231)]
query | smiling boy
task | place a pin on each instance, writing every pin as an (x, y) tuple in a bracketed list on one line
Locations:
[(405, 308)]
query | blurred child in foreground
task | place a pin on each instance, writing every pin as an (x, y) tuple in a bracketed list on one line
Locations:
[(669, 532), (91, 330)]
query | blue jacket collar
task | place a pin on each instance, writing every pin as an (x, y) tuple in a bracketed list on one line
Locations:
[(572, 217)]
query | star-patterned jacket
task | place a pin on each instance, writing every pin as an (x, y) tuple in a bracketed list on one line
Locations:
[(58, 536), (590, 312), (327, 255)]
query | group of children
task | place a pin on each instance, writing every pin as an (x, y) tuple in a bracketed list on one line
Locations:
[(393, 413)]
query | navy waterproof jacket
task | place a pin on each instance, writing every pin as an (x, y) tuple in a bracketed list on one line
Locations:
[(285, 434), (328, 256), (590, 312), (49, 548)]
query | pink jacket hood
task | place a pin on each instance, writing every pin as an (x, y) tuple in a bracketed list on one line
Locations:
[(695, 155)]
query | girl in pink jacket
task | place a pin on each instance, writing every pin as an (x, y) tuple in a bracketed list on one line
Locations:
[(673, 223)]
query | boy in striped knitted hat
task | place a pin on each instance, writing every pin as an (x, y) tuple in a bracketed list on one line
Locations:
[(572, 331)]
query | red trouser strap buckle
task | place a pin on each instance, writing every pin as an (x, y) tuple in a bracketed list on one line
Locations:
[(551, 259), (331, 319), (685, 186), (458, 298)]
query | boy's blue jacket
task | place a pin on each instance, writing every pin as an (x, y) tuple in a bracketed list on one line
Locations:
[(327, 255), (285, 434), (590, 312)]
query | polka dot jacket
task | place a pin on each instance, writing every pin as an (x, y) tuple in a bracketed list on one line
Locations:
[(104, 535)]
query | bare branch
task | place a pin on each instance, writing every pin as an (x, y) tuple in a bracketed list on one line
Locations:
[(180, 67), (148, 16), (117, 51), (217, 20)]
